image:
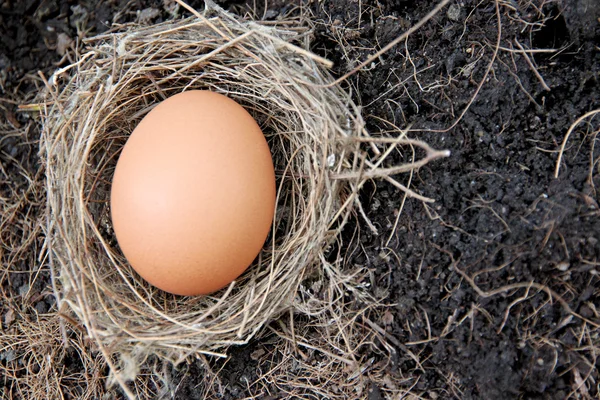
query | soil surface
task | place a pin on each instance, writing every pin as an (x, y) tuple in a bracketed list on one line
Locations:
[(495, 285)]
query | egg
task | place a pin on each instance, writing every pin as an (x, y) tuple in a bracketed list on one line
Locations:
[(193, 193)]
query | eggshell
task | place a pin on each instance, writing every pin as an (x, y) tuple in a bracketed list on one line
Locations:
[(193, 194)]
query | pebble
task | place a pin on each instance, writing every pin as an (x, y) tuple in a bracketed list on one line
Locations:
[(8, 355), (23, 290), (41, 307), (454, 12)]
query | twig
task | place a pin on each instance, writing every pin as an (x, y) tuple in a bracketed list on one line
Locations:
[(564, 143), (533, 68), (390, 45)]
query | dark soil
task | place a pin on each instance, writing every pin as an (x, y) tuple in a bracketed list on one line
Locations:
[(457, 273)]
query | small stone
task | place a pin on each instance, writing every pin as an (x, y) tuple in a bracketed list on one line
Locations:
[(63, 43), (586, 312), (535, 123), (41, 307), (271, 14), (23, 290), (376, 204), (8, 355), (9, 317), (454, 12), (331, 160), (147, 15), (563, 266), (257, 354), (388, 318), (374, 393)]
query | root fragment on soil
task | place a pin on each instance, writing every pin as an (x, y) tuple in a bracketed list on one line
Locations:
[(568, 134), (322, 153)]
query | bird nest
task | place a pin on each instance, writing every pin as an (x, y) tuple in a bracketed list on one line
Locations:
[(322, 156)]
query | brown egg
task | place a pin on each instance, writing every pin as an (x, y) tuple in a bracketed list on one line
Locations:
[(193, 194)]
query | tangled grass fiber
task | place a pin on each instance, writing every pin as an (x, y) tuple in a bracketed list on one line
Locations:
[(322, 155), (33, 353)]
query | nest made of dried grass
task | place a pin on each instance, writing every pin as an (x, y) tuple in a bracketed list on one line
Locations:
[(317, 137)]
